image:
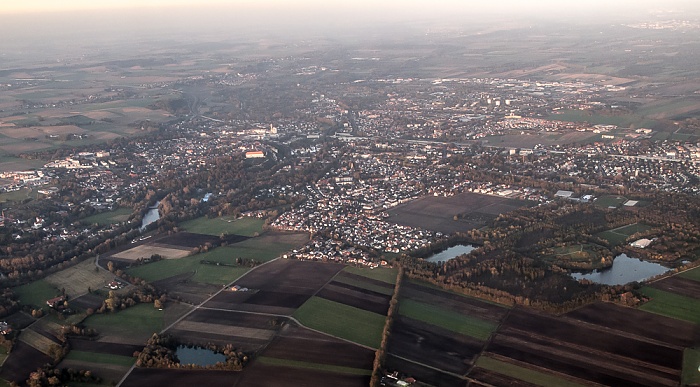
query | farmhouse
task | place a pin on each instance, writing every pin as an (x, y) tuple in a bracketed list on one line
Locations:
[(54, 302)]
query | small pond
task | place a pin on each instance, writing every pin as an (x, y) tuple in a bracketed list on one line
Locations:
[(199, 356), (151, 216), (450, 253), (624, 270)]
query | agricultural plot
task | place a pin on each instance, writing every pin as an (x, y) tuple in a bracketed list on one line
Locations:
[(86, 301), (145, 251), (356, 296), (586, 353), (671, 305), (437, 213), (679, 285), (278, 287), (649, 325), (249, 332), (437, 315), (133, 325), (110, 217), (225, 225), (36, 293), (433, 345), (37, 340), (340, 320), (377, 286), (79, 278), (317, 351), (455, 303), (110, 373), (692, 274), (148, 377), (515, 374), (691, 374), (380, 276), (618, 236), (23, 360)]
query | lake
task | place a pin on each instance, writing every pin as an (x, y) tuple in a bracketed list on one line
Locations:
[(450, 253), (199, 356), (151, 216), (624, 270)]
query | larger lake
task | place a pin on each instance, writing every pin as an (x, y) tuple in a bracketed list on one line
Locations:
[(624, 270), (199, 356), (151, 216), (450, 253)]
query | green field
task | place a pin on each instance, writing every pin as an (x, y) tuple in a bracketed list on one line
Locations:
[(36, 293), (381, 273), (618, 236), (693, 274), (109, 217), (610, 201), (141, 319), (364, 285), (251, 249), (103, 358), (671, 305), (445, 318), (691, 367), (522, 373), (312, 366), (224, 225), (336, 319)]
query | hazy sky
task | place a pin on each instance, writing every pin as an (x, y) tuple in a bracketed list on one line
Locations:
[(24, 6)]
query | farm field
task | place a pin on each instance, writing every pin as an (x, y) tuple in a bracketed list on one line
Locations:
[(79, 278), (691, 359), (433, 345), (36, 293), (649, 325), (693, 274), (147, 250), (350, 323), (589, 353), (457, 303), (110, 217), (345, 277), (24, 359), (278, 287), (148, 377), (224, 225), (102, 358), (437, 315), (436, 213), (356, 297), (133, 325), (295, 343), (671, 305), (249, 332), (618, 236), (521, 373), (679, 285), (336, 369), (382, 274)]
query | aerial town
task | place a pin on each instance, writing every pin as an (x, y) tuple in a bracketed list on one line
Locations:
[(486, 206)]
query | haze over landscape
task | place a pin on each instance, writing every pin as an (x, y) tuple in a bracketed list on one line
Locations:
[(394, 193)]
